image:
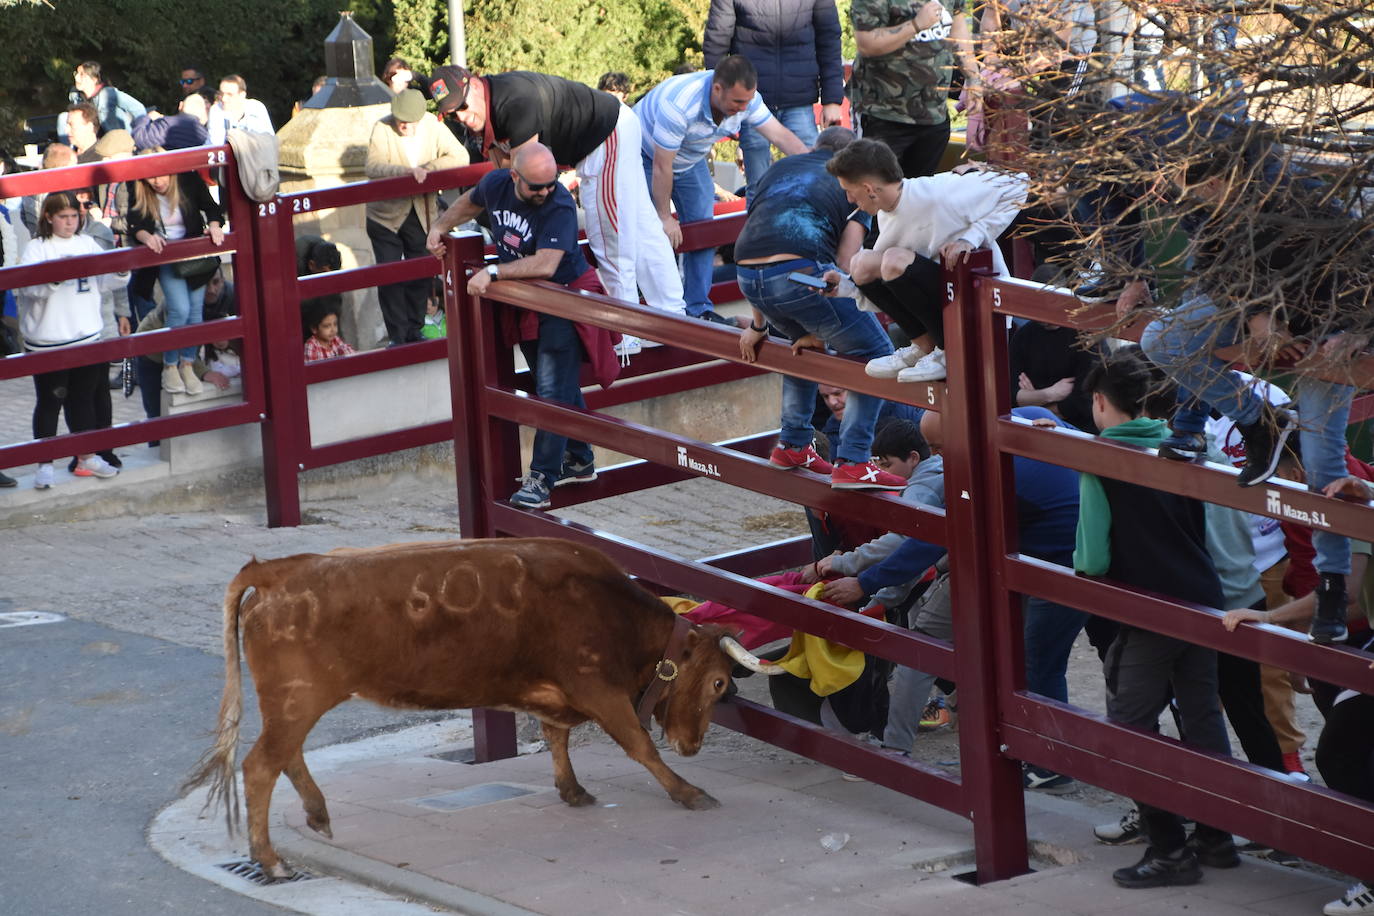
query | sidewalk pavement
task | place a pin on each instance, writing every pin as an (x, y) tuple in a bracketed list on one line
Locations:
[(791, 836)]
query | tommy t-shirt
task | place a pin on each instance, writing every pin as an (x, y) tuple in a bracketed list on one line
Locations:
[(571, 118), (521, 228)]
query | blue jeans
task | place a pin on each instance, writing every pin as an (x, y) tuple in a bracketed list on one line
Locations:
[(758, 152), (1050, 631), (1182, 343), (184, 306), (694, 195), (555, 359), (795, 310)]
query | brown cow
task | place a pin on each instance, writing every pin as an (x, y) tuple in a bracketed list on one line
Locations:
[(540, 625)]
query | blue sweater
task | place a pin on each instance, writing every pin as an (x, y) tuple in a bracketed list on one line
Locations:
[(1047, 515)]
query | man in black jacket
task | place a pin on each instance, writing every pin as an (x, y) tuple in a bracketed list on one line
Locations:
[(795, 47)]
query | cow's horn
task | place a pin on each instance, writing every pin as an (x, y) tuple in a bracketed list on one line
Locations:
[(748, 659)]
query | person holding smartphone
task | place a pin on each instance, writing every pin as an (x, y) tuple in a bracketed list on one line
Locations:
[(799, 226)]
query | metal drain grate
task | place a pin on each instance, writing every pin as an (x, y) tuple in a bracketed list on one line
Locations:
[(462, 755), (252, 872), (472, 796)]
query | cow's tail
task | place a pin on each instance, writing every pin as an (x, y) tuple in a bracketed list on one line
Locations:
[(217, 765)]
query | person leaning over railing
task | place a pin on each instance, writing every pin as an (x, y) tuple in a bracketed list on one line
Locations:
[(534, 223), (61, 314), (919, 221), (168, 208)]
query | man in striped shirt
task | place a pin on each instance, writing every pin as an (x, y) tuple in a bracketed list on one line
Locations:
[(683, 117)]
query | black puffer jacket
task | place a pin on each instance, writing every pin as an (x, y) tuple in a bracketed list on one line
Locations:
[(794, 45)]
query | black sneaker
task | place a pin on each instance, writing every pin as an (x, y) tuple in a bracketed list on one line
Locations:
[(716, 318), (533, 492), (6, 481), (1156, 869), (1216, 853), (1123, 832), (1265, 851), (1047, 781), (1183, 446), (573, 473), (1328, 623), (1264, 441)]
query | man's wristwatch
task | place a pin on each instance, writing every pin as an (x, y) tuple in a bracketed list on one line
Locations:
[(494, 271)]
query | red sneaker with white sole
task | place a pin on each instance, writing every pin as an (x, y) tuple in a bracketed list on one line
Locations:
[(864, 476), (789, 458)]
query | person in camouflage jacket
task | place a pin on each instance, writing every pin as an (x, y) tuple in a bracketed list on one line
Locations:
[(900, 86)]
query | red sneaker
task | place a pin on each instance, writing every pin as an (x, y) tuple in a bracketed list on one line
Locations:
[(789, 458), (865, 476), (1292, 762)]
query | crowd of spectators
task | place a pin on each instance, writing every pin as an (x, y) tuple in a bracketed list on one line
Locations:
[(846, 224)]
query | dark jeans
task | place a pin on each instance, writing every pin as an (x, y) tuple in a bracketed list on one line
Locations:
[(1243, 700), (1345, 751), (1050, 632), (918, 147), (69, 389), (1141, 669), (555, 361), (403, 304)]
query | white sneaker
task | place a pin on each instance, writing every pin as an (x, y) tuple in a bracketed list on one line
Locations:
[(930, 368), (190, 379), (628, 346), (889, 366), (42, 478), (171, 380), (1358, 899), (95, 466)]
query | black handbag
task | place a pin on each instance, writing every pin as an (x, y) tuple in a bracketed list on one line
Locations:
[(197, 271)]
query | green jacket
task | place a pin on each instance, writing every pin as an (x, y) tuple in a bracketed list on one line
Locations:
[(1092, 554)]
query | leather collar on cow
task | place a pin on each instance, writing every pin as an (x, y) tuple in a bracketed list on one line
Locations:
[(665, 672)]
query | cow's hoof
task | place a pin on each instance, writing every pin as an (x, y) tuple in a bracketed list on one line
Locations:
[(700, 802), (578, 798), (320, 826), (278, 871)]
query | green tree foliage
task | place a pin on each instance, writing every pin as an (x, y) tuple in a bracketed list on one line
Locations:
[(646, 39), (278, 47)]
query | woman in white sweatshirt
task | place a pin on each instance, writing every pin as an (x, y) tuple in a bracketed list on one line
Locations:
[(61, 314)]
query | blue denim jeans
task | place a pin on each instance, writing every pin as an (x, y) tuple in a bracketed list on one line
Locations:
[(1182, 343), (795, 310), (555, 359), (758, 152), (184, 306), (1050, 631), (694, 196)]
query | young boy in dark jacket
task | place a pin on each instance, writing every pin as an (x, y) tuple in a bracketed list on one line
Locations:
[(1155, 540)]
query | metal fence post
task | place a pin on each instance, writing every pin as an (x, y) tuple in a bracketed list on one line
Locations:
[(470, 363), (287, 424), (992, 781)]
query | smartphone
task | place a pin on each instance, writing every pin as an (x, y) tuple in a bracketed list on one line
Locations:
[(808, 280)]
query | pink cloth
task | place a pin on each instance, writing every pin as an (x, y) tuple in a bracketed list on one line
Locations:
[(754, 631)]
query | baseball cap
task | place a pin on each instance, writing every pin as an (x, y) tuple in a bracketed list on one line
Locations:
[(448, 86), (409, 105)]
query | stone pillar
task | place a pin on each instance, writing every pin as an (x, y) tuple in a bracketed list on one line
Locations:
[(325, 145)]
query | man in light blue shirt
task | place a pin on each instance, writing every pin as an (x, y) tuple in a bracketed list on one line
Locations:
[(236, 111), (683, 117)]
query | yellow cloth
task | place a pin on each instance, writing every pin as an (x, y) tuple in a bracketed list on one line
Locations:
[(829, 665)]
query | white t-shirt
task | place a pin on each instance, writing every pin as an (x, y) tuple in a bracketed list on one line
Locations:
[(1264, 531), (173, 224)]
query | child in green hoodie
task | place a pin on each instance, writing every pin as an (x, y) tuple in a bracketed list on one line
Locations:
[(1155, 540)]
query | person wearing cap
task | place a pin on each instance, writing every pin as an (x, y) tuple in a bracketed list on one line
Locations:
[(592, 131), (409, 141), (534, 223)]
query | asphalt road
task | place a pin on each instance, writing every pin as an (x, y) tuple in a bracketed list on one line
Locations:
[(98, 727)]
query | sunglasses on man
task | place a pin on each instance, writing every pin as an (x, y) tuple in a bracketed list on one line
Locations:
[(186, 82), (545, 186)]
